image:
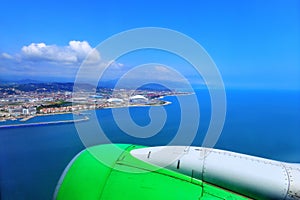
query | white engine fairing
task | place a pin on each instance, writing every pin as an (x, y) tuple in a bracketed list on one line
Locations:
[(252, 176)]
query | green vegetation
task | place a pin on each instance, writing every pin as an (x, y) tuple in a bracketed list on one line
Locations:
[(57, 104)]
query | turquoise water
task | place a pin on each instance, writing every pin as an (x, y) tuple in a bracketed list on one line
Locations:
[(261, 123)]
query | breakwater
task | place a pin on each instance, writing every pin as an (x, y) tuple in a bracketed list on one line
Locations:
[(45, 123)]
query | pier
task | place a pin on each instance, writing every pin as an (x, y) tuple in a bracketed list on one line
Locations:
[(45, 123)]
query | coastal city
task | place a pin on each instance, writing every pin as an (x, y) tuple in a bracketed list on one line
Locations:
[(25, 101)]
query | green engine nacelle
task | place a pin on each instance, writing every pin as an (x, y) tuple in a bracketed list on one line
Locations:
[(126, 177)]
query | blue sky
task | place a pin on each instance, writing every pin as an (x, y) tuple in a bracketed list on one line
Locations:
[(255, 44)]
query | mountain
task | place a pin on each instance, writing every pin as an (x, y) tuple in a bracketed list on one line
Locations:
[(34, 85), (23, 81), (26, 81)]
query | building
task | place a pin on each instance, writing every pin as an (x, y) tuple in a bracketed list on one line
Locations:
[(138, 99), (115, 101), (15, 111), (29, 111)]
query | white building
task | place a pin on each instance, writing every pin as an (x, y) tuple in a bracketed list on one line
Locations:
[(139, 99), (115, 101), (29, 111)]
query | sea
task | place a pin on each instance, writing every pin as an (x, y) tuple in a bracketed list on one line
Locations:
[(263, 123)]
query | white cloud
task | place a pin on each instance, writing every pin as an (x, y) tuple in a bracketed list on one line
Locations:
[(84, 50), (154, 72), (162, 69), (6, 56), (74, 53), (44, 60)]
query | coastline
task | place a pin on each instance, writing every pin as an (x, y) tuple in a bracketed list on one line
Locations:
[(136, 105), (175, 95), (78, 112)]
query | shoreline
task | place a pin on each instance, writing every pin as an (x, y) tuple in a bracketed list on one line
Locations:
[(77, 112), (175, 95), (137, 105), (24, 119)]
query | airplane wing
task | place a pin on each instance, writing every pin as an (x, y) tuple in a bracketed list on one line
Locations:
[(136, 172)]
